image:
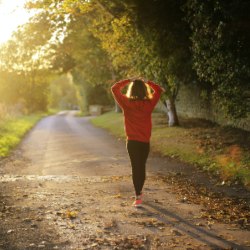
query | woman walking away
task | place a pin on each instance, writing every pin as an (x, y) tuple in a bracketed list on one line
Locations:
[(137, 106)]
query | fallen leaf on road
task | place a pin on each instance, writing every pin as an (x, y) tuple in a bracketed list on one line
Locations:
[(176, 232), (117, 196), (151, 223), (110, 224), (71, 226), (67, 214)]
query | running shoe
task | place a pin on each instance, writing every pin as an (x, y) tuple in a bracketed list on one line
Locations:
[(138, 201)]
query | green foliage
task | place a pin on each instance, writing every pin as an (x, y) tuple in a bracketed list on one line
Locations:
[(62, 93), (173, 42), (27, 90), (161, 23), (98, 95), (141, 42), (88, 94), (116, 38), (81, 53), (83, 89), (89, 58), (12, 131), (25, 65), (220, 46), (10, 88)]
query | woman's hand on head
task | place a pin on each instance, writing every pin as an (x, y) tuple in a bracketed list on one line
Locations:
[(133, 78), (138, 78), (142, 79)]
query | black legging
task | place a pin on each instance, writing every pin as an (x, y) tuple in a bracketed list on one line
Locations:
[(138, 153)]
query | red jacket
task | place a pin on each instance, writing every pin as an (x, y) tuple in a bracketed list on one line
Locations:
[(137, 114)]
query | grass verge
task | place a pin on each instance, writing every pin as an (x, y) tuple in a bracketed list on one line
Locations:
[(220, 150), (13, 129)]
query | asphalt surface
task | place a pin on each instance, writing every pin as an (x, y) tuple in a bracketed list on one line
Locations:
[(68, 186)]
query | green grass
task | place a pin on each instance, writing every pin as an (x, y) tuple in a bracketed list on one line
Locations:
[(12, 131), (210, 147), (111, 121)]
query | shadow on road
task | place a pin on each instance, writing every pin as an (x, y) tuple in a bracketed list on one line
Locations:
[(182, 225)]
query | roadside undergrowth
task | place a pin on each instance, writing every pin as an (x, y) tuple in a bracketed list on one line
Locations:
[(13, 129), (222, 151)]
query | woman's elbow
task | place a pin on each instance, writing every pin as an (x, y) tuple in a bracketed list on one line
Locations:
[(112, 88)]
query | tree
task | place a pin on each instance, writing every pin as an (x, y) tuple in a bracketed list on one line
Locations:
[(108, 39), (24, 59), (220, 45), (140, 42), (62, 93), (161, 22), (80, 52)]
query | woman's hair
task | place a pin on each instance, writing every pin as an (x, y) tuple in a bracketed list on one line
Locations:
[(138, 90)]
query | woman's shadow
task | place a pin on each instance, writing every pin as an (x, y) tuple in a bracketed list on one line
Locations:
[(184, 226)]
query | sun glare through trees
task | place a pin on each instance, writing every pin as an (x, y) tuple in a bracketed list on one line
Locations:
[(12, 14)]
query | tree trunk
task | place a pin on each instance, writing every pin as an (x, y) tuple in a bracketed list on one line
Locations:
[(117, 108), (172, 114)]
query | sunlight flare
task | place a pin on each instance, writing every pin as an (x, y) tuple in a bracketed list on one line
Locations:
[(12, 14)]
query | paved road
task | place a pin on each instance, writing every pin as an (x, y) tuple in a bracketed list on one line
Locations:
[(65, 145), (68, 186)]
